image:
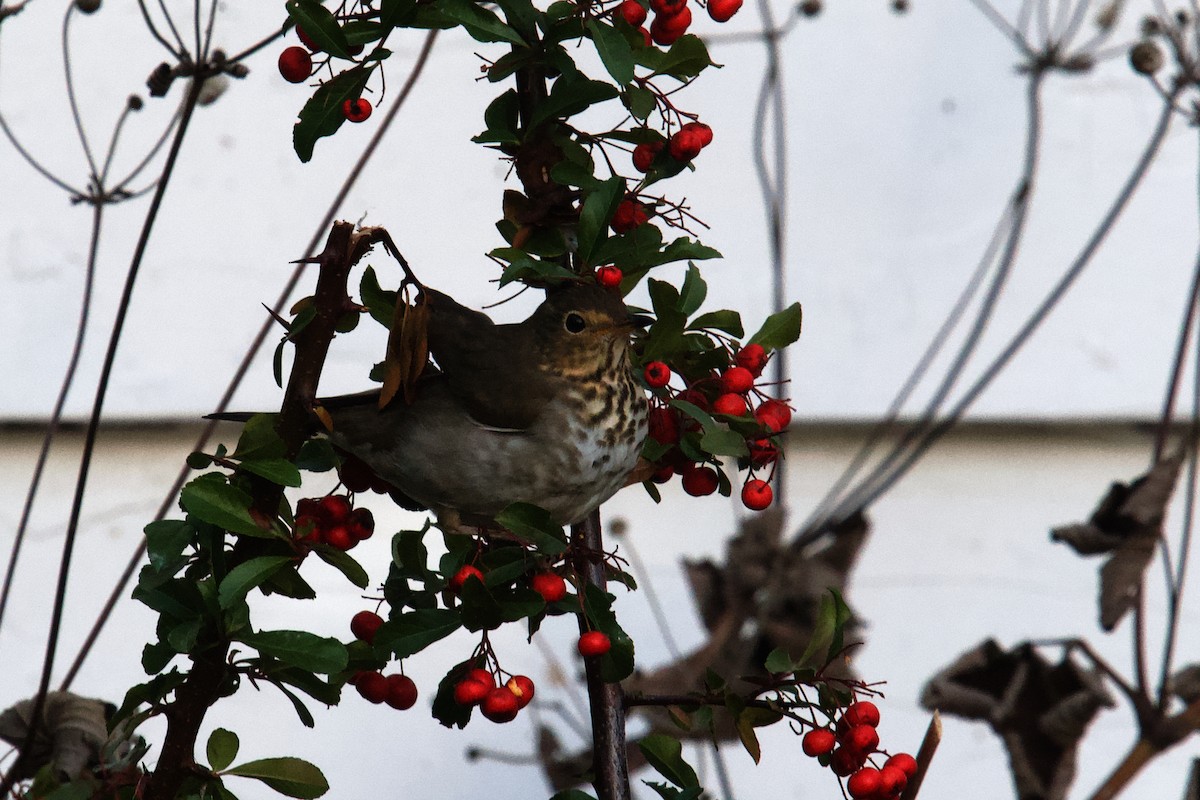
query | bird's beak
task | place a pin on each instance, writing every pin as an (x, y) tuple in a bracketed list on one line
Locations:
[(640, 321)]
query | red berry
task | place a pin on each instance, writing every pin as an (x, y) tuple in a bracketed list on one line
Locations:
[(861, 739), (702, 132), (306, 40), (818, 742), (775, 414), (737, 379), (644, 155), (863, 712), (355, 475), (295, 64), (372, 686), (864, 783), (664, 425), (646, 38), (843, 761), (401, 692), (892, 781), (632, 12), (483, 676), (338, 536), (335, 507), (695, 397), (362, 524), (684, 145), (549, 585), (470, 692), (666, 30), (904, 762), (500, 705), (668, 8), (663, 474), (522, 689), (762, 452), (757, 495), (464, 573), (307, 528), (356, 109), (364, 624), (722, 10), (630, 214), (594, 643), (732, 404), (609, 277), (753, 357), (700, 481), (657, 374)]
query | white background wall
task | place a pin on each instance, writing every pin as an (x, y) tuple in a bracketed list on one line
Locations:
[(905, 136)]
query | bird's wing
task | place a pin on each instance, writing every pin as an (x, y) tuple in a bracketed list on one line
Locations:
[(489, 368)]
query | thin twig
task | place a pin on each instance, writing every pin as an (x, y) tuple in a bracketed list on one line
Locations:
[(72, 101)]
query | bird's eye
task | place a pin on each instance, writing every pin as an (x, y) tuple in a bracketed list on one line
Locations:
[(574, 322)]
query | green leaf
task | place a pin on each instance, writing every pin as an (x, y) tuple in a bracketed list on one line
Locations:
[(300, 649), (182, 637), (728, 321), (571, 94), (276, 470), (501, 119), (724, 442), (482, 25), (292, 777), (320, 25), (259, 439), (211, 499), (381, 304), (156, 656), (534, 525), (614, 50), (572, 794), (568, 173), (75, 790), (247, 575), (411, 633), (671, 793), (665, 754), (686, 58), (222, 749), (396, 13), (694, 290), (594, 217), (780, 329), (322, 114), (640, 102), (344, 563), (165, 542), (779, 662), (316, 455)]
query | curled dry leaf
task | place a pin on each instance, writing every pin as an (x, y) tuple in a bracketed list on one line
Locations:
[(1127, 524), (1040, 710)]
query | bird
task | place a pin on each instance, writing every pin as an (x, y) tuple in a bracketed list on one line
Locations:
[(546, 411)]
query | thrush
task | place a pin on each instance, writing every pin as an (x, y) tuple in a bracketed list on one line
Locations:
[(545, 411)]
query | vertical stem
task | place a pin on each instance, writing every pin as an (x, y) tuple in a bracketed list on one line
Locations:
[(606, 699)]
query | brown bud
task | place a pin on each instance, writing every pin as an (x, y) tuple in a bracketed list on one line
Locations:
[(1146, 57), (88, 6), (810, 8), (900, 6)]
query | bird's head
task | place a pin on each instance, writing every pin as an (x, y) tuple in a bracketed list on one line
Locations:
[(584, 329)]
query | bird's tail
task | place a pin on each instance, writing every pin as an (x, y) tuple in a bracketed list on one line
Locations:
[(231, 416)]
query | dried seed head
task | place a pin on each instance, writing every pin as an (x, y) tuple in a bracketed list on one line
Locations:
[(809, 8), (1146, 57), (900, 6), (1151, 26), (88, 6), (1107, 16)]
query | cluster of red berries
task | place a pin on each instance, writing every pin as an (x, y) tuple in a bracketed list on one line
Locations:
[(296, 66), (333, 521), (683, 146), (499, 703), (398, 691), (729, 394), (672, 18), (855, 740)]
